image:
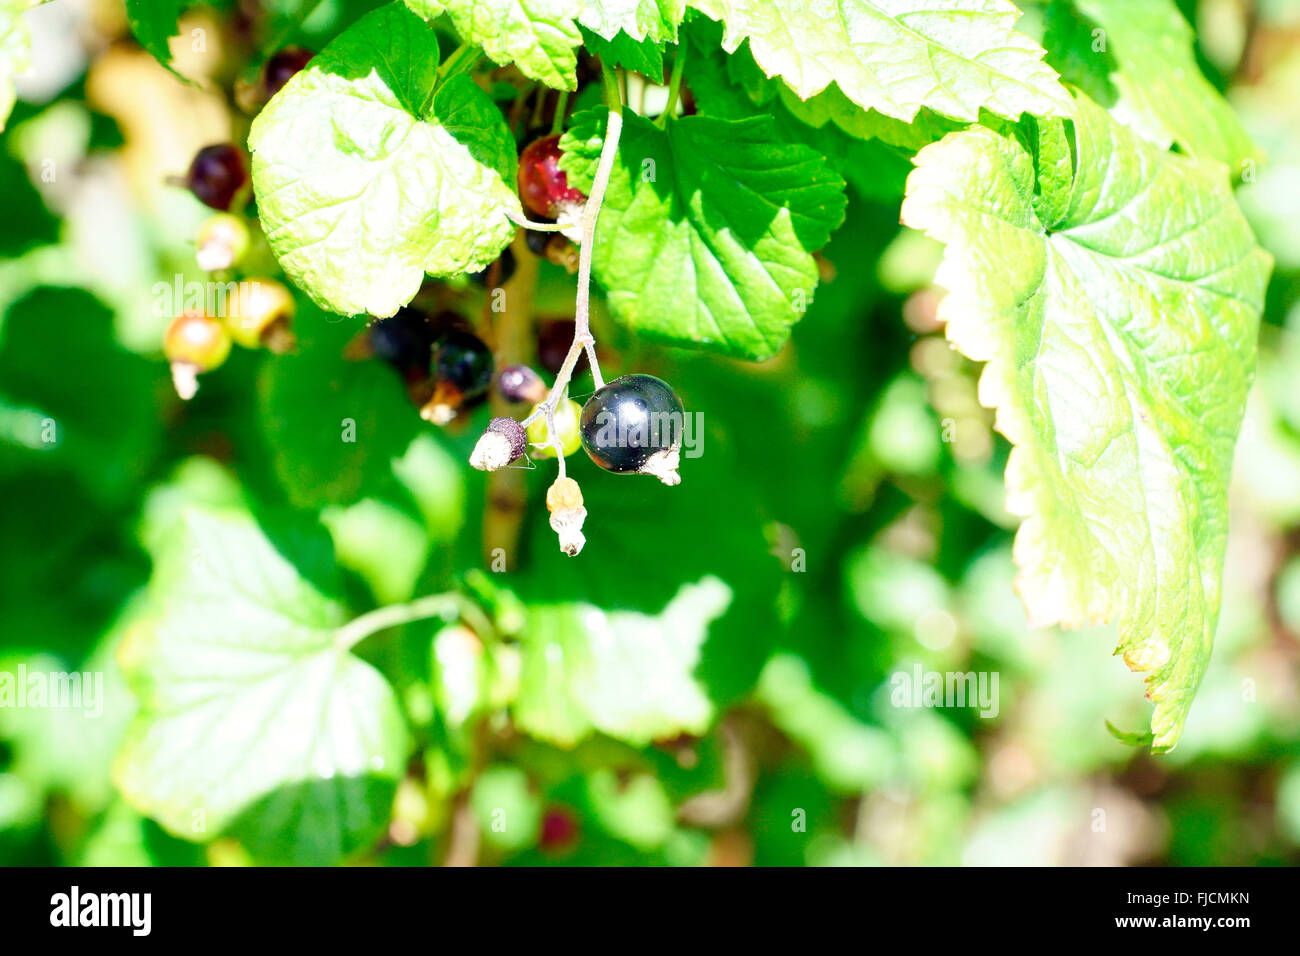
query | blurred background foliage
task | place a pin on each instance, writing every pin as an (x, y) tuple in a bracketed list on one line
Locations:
[(847, 507)]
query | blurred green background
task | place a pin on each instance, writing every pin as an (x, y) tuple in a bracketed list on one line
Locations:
[(849, 497)]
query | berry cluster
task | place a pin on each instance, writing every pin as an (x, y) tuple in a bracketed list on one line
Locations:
[(631, 425), (258, 315)]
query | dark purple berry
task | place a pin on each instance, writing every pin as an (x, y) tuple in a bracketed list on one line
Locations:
[(281, 67), (404, 341), (554, 337), (498, 273), (633, 425), (218, 175), (519, 383)]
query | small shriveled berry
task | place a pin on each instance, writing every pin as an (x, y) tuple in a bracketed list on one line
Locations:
[(502, 442), (564, 502)]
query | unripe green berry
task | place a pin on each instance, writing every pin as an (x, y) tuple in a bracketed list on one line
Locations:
[(568, 416)]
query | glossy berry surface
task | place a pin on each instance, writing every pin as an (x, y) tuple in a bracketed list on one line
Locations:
[(498, 273), (218, 176), (519, 383), (404, 340), (195, 339), (629, 420), (281, 67), (462, 359), (568, 415), (543, 186)]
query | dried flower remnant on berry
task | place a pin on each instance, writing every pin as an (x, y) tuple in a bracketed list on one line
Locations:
[(564, 502), (502, 442)]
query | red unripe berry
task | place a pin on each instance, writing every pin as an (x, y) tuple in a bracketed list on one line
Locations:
[(543, 186)]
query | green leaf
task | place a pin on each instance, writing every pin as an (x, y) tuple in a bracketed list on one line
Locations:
[(623, 673), (654, 20), (537, 36), (365, 182), (253, 721), (333, 427), (153, 23), (955, 57), (72, 399), (708, 228), (1138, 59), (1120, 335), (15, 54), (733, 87), (640, 56)]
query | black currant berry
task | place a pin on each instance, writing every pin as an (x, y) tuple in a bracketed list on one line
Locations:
[(281, 67), (634, 425), (519, 383), (504, 268), (404, 341), (554, 337), (543, 186), (218, 176), (462, 372), (536, 241)]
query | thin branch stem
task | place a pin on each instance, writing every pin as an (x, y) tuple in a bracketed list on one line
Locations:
[(561, 105), (674, 86), (582, 337), (393, 615), (519, 219)]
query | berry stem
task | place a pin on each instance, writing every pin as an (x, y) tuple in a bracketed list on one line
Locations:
[(519, 219), (674, 86), (561, 106), (448, 606), (582, 337)]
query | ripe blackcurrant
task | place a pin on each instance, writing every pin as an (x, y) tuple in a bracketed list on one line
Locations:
[(218, 176), (554, 337), (568, 415), (281, 67), (634, 425), (404, 341), (543, 186), (462, 371), (536, 241), (261, 313), (194, 343), (498, 273), (519, 383)]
